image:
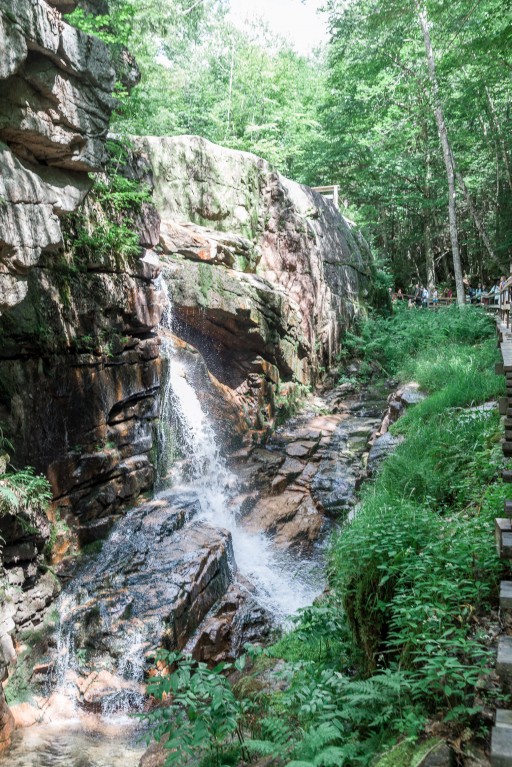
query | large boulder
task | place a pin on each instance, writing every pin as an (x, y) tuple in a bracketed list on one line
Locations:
[(264, 273), (158, 575)]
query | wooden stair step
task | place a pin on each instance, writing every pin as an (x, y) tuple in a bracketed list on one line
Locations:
[(504, 661), (503, 535), (506, 598), (501, 739), (506, 447)]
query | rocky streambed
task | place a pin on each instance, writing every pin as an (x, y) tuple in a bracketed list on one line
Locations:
[(170, 574)]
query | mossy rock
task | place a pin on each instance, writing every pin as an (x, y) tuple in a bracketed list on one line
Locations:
[(409, 754)]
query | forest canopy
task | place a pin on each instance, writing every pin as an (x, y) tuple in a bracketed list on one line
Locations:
[(362, 113)]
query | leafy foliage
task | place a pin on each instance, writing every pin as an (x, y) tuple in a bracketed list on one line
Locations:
[(400, 639), (380, 138), (23, 489), (200, 713)]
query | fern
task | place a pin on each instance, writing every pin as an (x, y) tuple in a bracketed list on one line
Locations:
[(23, 490)]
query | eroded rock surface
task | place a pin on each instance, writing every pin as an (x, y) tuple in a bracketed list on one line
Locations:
[(264, 273), (55, 95), (158, 575), (308, 473), (79, 371), (236, 620)]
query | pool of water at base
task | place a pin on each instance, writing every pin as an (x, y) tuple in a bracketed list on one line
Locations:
[(107, 744)]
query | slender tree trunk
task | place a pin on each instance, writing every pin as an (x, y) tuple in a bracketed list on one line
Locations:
[(499, 135), (474, 213), (230, 95), (427, 213), (447, 153)]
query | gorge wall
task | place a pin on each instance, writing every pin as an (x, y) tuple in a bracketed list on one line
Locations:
[(61, 400), (264, 276)]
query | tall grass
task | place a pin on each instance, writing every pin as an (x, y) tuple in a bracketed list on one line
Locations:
[(416, 568), (399, 646)]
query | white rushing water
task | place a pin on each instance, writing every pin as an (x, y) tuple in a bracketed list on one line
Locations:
[(283, 583)]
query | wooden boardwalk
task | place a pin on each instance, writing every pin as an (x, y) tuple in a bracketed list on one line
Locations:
[(501, 738)]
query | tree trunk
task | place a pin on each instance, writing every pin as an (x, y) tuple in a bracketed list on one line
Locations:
[(427, 223), (474, 214), (499, 135), (447, 153)]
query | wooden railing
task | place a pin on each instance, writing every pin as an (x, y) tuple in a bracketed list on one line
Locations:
[(504, 304), (332, 192)]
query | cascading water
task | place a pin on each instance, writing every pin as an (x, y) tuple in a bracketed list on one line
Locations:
[(101, 634), (283, 584)]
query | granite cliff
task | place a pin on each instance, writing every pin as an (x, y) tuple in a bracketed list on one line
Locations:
[(264, 276)]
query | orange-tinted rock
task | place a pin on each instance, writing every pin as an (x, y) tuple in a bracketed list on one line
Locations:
[(6, 723)]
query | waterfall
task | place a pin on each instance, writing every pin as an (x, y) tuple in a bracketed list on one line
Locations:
[(283, 583)]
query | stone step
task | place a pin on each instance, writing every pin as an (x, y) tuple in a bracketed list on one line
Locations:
[(507, 508), (506, 447), (504, 662), (503, 717), (501, 739), (503, 535), (507, 475), (506, 595)]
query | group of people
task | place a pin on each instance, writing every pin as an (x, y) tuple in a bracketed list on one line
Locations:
[(482, 295), (421, 296)]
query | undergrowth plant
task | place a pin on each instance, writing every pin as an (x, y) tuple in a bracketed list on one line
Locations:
[(23, 489), (401, 643)]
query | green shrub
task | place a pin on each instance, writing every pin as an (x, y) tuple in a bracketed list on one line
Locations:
[(398, 641), (392, 343)]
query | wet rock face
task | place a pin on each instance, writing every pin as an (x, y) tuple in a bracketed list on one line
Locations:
[(236, 620), (79, 369), (265, 274), (159, 573), (308, 474), (78, 411)]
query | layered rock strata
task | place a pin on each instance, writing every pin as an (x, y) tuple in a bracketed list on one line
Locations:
[(265, 274), (64, 402), (79, 371)]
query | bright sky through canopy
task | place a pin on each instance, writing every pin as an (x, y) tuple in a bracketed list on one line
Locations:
[(298, 22)]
